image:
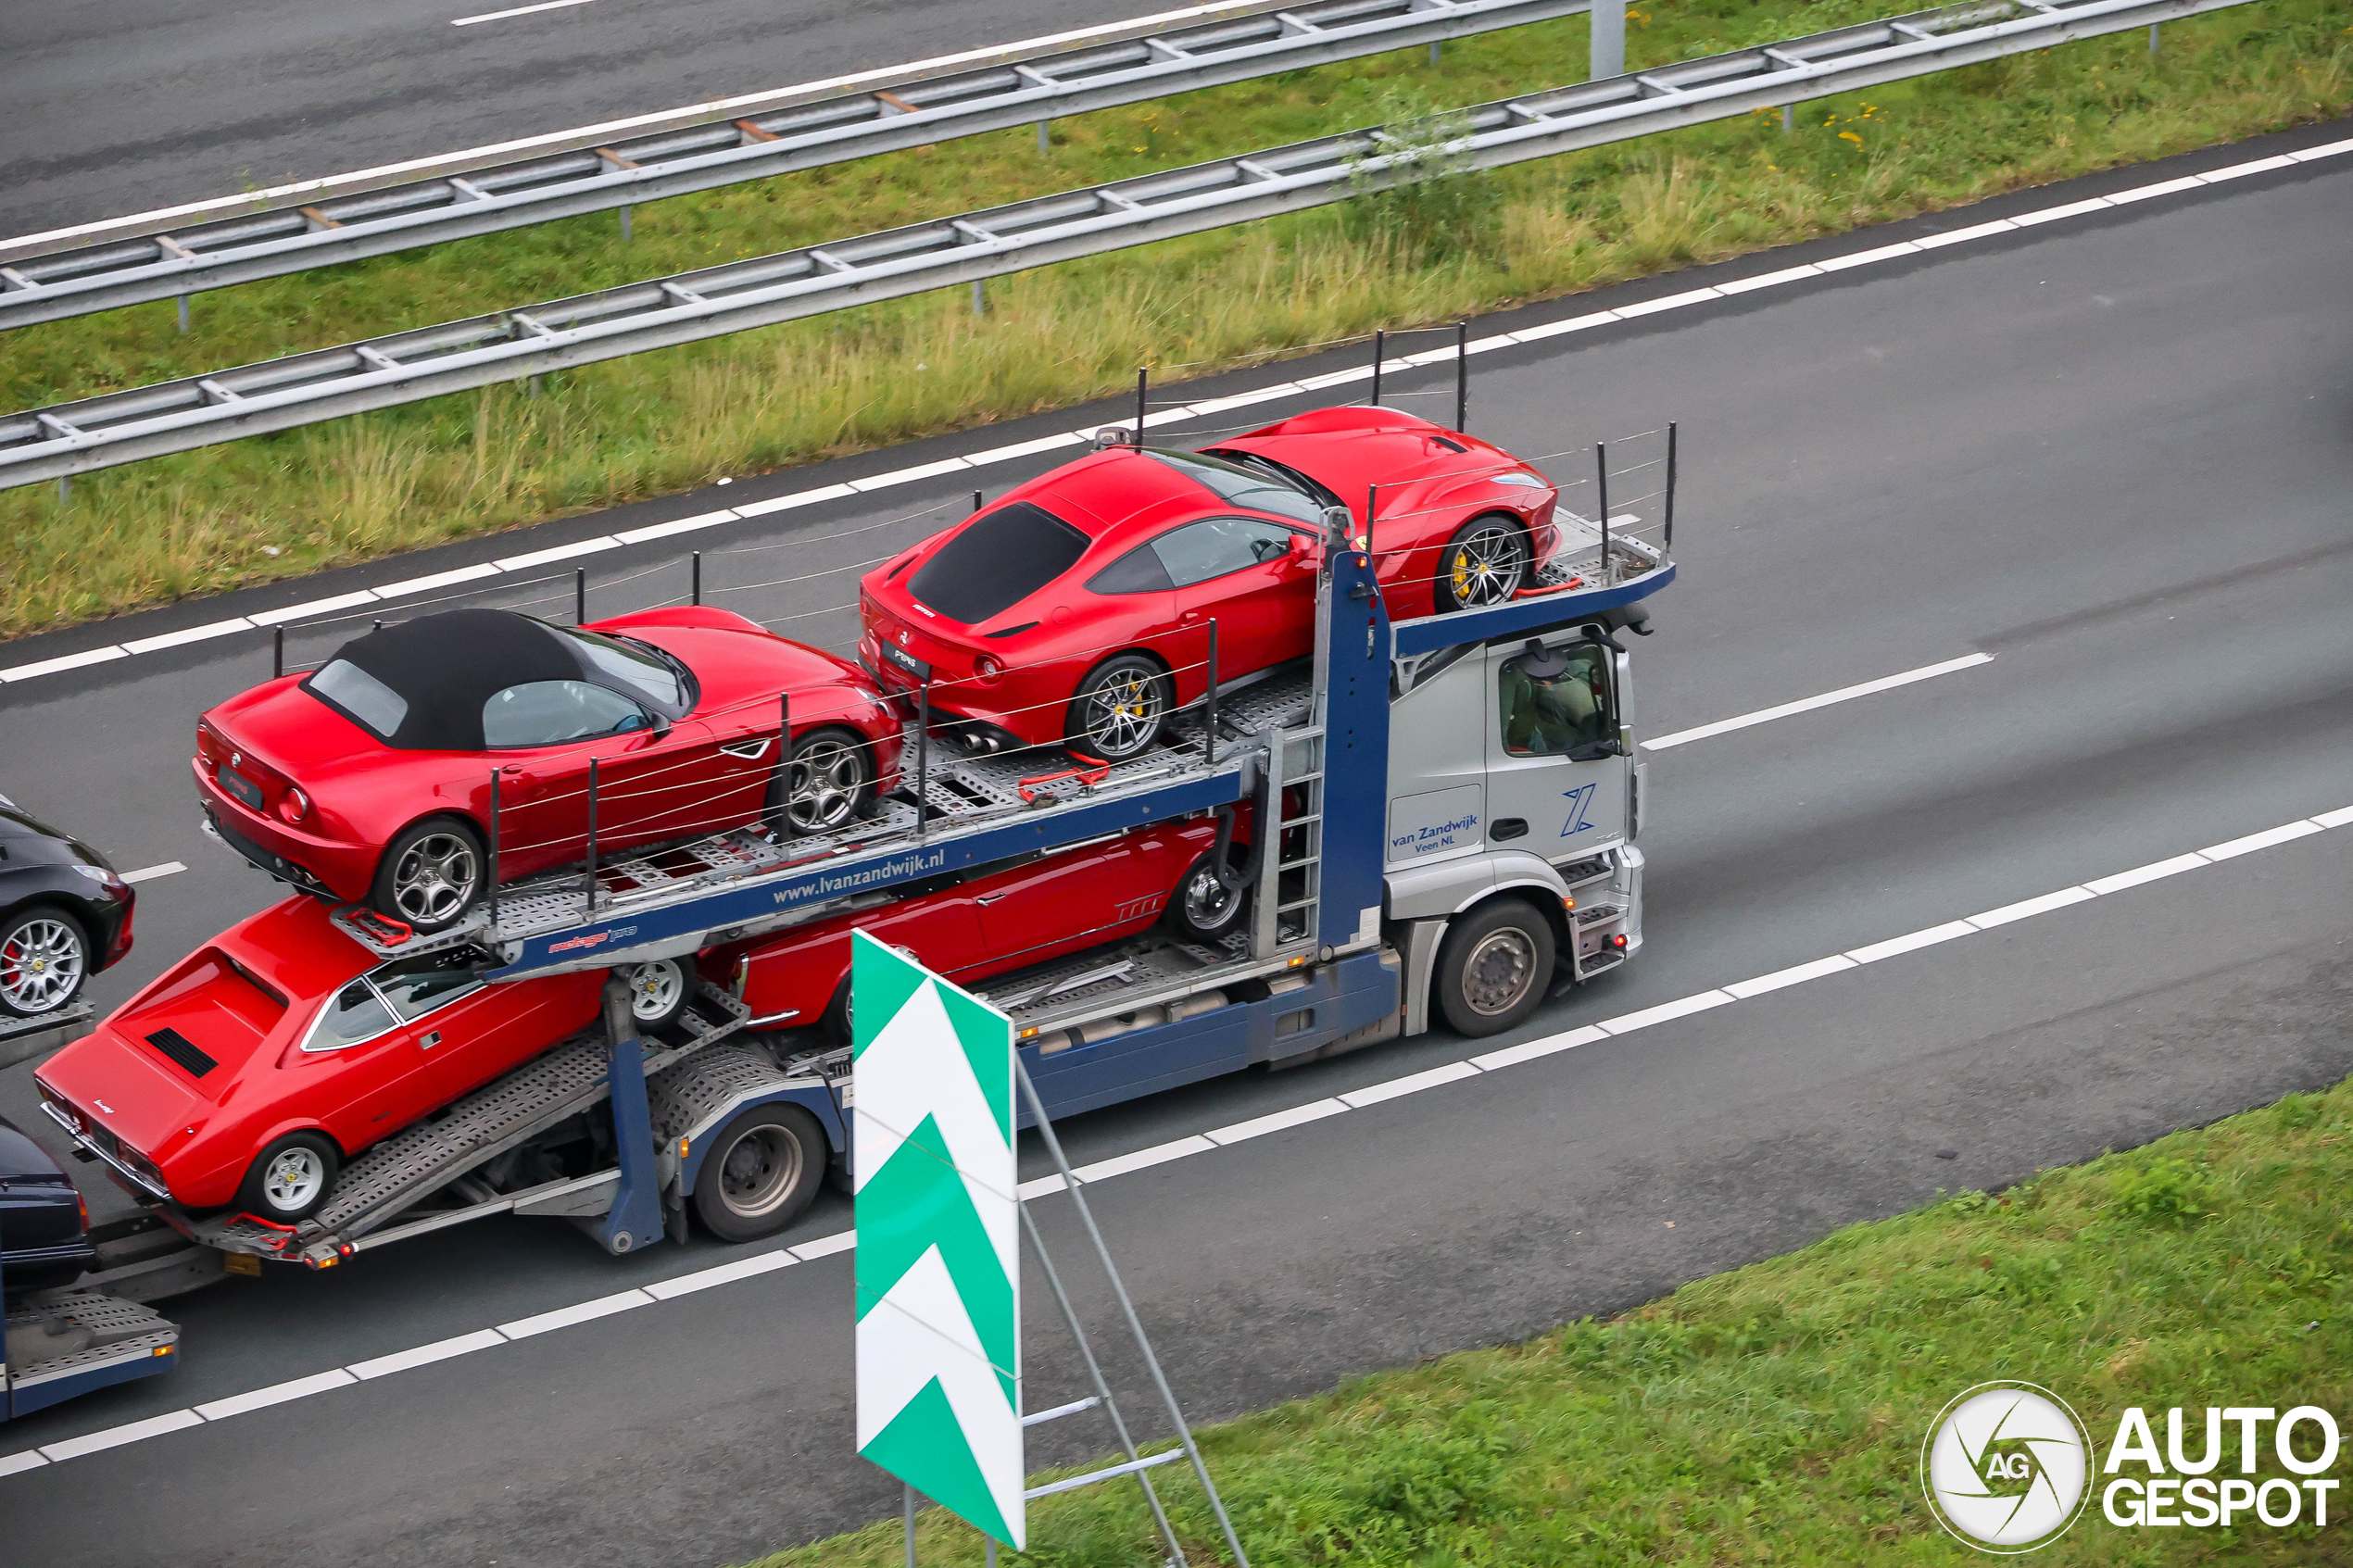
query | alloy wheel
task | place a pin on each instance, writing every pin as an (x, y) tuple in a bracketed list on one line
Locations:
[(654, 989), (40, 965), (1486, 566), (826, 778), (293, 1178), (436, 878), (1123, 714)]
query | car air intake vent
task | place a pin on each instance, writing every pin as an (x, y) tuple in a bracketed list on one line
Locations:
[(175, 1045), (1014, 631)]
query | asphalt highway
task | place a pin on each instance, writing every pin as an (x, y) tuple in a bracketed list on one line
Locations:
[(123, 105), (2111, 451)]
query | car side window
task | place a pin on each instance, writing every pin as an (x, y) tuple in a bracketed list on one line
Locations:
[(415, 986), (352, 1016), (1554, 701), (1200, 551), (551, 712)]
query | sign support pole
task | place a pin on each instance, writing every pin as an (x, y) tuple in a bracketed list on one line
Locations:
[(1128, 1309)]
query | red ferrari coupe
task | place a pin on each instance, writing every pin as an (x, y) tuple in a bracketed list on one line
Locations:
[(253, 1068), (1075, 610), (369, 778), (971, 926)]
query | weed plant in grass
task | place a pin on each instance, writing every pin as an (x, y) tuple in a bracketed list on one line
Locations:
[(471, 462), (1775, 1415)]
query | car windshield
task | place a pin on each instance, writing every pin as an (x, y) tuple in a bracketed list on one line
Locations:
[(1262, 490), (648, 670), (362, 696), (999, 560)]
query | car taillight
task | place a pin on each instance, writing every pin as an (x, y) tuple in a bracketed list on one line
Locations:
[(82, 1204), (205, 747), (294, 805), (988, 668)]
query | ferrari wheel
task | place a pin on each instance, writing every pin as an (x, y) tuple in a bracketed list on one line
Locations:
[(44, 959), (659, 992), (430, 875), (1119, 708), (1485, 563), (827, 783), (291, 1179)]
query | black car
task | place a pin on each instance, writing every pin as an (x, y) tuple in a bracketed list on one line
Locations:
[(64, 915), (44, 1227)]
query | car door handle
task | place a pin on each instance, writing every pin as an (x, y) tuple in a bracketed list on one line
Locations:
[(988, 897), (431, 1040)]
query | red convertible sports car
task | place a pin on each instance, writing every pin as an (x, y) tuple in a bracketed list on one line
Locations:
[(1004, 917), (1075, 610), (253, 1068), (370, 777)]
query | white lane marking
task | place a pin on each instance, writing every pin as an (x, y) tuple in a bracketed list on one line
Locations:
[(315, 607), (1448, 1073), (1197, 410), (426, 1355), (276, 1394), (148, 873), (515, 11), (1796, 974), (580, 1311), (682, 525), (561, 552), (70, 662), (2263, 840), (1911, 941), (2150, 873), (725, 1274), (115, 1437), (1274, 1122), (193, 634), (438, 579), (1806, 705), (2026, 909)]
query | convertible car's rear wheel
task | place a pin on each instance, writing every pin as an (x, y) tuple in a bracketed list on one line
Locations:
[(44, 959), (290, 1180), (1485, 563), (1119, 707), (430, 874), (831, 775)]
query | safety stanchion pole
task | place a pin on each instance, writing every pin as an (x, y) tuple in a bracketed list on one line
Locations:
[(1461, 376), (696, 594), (1380, 352), (592, 836), (1209, 705), (493, 883)]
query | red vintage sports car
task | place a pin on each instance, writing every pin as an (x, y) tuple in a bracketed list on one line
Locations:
[(251, 1071), (1075, 610), (369, 779), (970, 926)]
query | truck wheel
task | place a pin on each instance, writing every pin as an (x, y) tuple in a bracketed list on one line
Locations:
[(1203, 909), (658, 991), (291, 1177), (761, 1171), (1495, 967)]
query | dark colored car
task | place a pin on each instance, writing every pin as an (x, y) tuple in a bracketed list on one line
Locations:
[(44, 1226), (369, 778), (64, 914)]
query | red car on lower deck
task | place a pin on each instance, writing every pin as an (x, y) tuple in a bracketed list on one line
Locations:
[(971, 926), (252, 1068)]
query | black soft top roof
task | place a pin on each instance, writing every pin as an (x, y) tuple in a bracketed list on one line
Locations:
[(446, 666)]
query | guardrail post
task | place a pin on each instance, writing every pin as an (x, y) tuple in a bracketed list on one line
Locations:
[(1609, 39), (980, 299), (183, 299), (1461, 376), (1789, 117), (1041, 134), (696, 596), (2153, 27), (624, 225), (1380, 352), (592, 835), (65, 486)]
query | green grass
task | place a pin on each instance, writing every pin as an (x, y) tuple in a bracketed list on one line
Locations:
[(661, 421), (1775, 1415)]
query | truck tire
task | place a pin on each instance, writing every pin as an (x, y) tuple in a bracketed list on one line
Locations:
[(291, 1178), (1495, 967), (762, 1170)]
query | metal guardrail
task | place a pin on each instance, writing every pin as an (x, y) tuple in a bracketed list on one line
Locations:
[(69, 438), (673, 161)]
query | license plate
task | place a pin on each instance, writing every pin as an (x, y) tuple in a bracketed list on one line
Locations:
[(907, 661), (241, 786)]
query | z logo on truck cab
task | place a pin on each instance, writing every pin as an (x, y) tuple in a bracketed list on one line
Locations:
[(1582, 798)]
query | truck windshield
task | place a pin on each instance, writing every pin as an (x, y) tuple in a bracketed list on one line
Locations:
[(999, 560)]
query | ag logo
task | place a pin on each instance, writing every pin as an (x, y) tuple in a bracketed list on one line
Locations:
[(2006, 1467)]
